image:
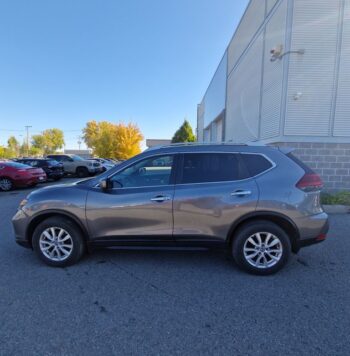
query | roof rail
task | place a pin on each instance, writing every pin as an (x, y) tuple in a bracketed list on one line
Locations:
[(181, 144)]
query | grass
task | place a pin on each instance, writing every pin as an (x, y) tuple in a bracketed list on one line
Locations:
[(340, 198)]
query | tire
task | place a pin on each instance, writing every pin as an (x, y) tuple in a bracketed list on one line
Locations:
[(72, 245), (6, 184), (57, 179), (265, 257), (82, 172)]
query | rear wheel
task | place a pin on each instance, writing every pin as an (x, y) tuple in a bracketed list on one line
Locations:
[(58, 242), (261, 248), (6, 184), (82, 172)]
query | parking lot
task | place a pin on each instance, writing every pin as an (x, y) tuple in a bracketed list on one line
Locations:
[(173, 302)]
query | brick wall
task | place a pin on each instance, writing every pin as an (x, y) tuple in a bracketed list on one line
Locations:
[(330, 160)]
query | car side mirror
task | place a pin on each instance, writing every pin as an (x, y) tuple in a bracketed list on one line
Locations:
[(105, 184)]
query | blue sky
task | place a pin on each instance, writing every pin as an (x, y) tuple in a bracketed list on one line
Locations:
[(64, 62)]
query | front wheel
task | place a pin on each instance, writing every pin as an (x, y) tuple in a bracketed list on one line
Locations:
[(82, 172), (58, 242), (261, 248)]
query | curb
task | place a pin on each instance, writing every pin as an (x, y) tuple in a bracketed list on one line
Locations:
[(336, 209)]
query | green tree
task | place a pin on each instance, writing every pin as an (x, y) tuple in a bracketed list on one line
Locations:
[(13, 146), (49, 141), (110, 140), (5, 152), (184, 134)]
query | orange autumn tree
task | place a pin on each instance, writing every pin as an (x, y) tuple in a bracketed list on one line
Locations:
[(110, 140)]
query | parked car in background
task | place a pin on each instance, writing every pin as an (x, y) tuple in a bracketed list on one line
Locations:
[(258, 203), (74, 164), (113, 161), (106, 164), (14, 175), (52, 168)]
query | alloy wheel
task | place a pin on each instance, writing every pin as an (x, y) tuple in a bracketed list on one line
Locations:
[(56, 244), (5, 184), (263, 250)]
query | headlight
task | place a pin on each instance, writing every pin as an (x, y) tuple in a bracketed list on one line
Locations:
[(91, 164), (23, 203)]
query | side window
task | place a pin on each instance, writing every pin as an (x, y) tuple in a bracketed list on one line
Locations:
[(210, 167), (256, 163), (65, 159), (57, 158), (152, 171)]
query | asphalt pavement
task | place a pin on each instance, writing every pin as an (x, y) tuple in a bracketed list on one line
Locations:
[(173, 302)]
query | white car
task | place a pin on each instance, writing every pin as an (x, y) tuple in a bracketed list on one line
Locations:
[(106, 164)]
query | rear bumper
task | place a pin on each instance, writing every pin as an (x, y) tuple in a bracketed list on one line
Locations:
[(313, 229)]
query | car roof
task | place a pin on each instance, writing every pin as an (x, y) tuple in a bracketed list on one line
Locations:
[(210, 147), (32, 159)]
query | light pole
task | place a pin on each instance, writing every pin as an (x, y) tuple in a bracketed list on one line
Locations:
[(79, 142), (27, 129)]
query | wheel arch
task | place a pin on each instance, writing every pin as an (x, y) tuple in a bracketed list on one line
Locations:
[(281, 220), (37, 219)]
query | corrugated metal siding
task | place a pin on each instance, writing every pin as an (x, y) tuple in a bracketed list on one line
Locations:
[(342, 112), (253, 18), (243, 96), (200, 122), (273, 74), (215, 98), (270, 4), (312, 74)]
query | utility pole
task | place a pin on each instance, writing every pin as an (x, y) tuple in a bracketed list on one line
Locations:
[(79, 142), (27, 129)]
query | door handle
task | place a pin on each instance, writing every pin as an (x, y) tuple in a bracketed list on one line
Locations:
[(241, 193), (160, 198)]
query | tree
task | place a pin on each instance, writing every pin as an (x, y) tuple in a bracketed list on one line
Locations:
[(4, 152), (110, 140), (184, 134), (13, 145), (49, 141)]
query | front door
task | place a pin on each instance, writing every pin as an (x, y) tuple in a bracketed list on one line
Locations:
[(139, 204)]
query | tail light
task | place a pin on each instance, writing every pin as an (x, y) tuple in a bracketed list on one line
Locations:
[(310, 182)]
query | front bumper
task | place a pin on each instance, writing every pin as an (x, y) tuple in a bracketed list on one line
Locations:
[(20, 223), (54, 174)]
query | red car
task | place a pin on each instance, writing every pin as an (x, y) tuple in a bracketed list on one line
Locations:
[(13, 174)]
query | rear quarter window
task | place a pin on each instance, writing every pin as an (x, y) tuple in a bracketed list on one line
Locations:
[(256, 164), (301, 164)]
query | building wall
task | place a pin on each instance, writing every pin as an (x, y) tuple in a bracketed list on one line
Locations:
[(316, 26), (330, 160), (255, 84), (302, 97)]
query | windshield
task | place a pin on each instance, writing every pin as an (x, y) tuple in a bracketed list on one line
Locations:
[(16, 165), (77, 158)]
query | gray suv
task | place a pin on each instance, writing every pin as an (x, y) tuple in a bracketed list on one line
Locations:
[(258, 202)]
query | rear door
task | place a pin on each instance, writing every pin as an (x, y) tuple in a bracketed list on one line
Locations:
[(213, 190)]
